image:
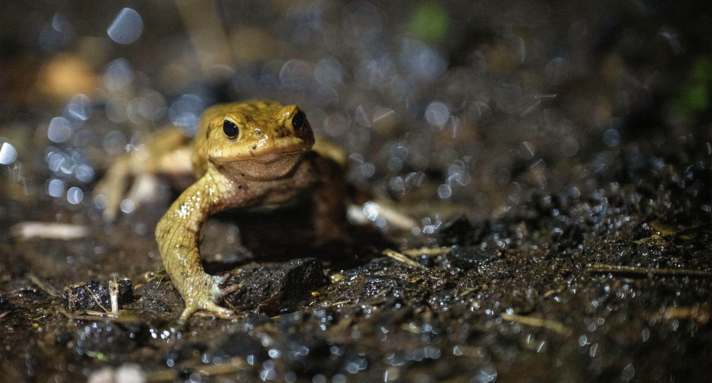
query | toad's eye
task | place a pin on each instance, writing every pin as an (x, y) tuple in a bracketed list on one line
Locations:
[(298, 120), (230, 129)]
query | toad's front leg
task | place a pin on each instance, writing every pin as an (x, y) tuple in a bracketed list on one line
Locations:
[(177, 234)]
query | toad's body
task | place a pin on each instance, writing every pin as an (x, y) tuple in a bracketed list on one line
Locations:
[(244, 155)]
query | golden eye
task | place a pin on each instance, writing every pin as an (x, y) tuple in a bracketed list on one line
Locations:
[(230, 129), (299, 120)]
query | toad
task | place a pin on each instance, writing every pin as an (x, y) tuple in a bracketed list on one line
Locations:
[(251, 154)]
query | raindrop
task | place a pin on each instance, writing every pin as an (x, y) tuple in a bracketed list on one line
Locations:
[(335, 125), (362, 17), (556, 70), (75, 195), (80, 107), (444, 191), (582, 340), (59, 129), (628, 373), (422, 61), (84, 173), (150, 103), (296, 74), (117, 75), (486, 375), (367, 170), (437, 113), (480, 112), (328, 72), (60, 24), (126, 27), (368, 74), (185, 112), (115, 143), (100, 201), (8, 154), (290, 377), (127, 206), (395, 165), (362, 117), (57, 33), (55, 188), (611, 137), (116, 109), (352, 368), (399, 151), (397, 184), (569, 147), (370, 210)]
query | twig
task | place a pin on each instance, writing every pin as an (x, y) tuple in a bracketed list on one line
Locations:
[(95, 298), (340, 303), (99, 316), (698, 312), (462, 294), (425, 251), (114, 295), (603, 268), (48, 230), (402, 258), (537, 322), (45, 287), (672, 235)]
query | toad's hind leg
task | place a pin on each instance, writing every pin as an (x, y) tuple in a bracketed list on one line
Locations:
[(165, 153)]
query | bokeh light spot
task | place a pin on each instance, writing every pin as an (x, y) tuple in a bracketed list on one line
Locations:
[(126, 27)]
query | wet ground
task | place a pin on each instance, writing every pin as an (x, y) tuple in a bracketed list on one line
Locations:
[(556, 161)]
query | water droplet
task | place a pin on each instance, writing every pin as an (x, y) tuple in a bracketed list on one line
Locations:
[(127, 206), (296, 74), (367, 170), (329, 72), (75, 195), (437, 113), (611, 137), (115, 143), (126, 27), (116, 109), (8, 154), (569, 147), (59, 129), (444, 191), (117, 75), (336, 125), (55, 188), (84, 173)]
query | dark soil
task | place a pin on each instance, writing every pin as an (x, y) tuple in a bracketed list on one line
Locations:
[(564, 201)]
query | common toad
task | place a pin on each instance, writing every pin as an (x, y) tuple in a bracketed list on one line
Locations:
[(250, 154)]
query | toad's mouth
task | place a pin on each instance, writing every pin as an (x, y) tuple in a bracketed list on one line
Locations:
[(270, 155), (264, 154)]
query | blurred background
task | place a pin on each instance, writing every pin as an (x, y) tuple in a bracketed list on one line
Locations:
[(568, 134), (469, 106)]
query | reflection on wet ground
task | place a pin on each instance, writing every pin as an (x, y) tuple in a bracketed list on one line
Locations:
[(553, 160)]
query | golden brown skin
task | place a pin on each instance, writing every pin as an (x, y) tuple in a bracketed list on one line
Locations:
[(268, 163)]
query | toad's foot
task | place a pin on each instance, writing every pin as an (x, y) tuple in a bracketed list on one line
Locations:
[(209, 304), (211, 307)]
